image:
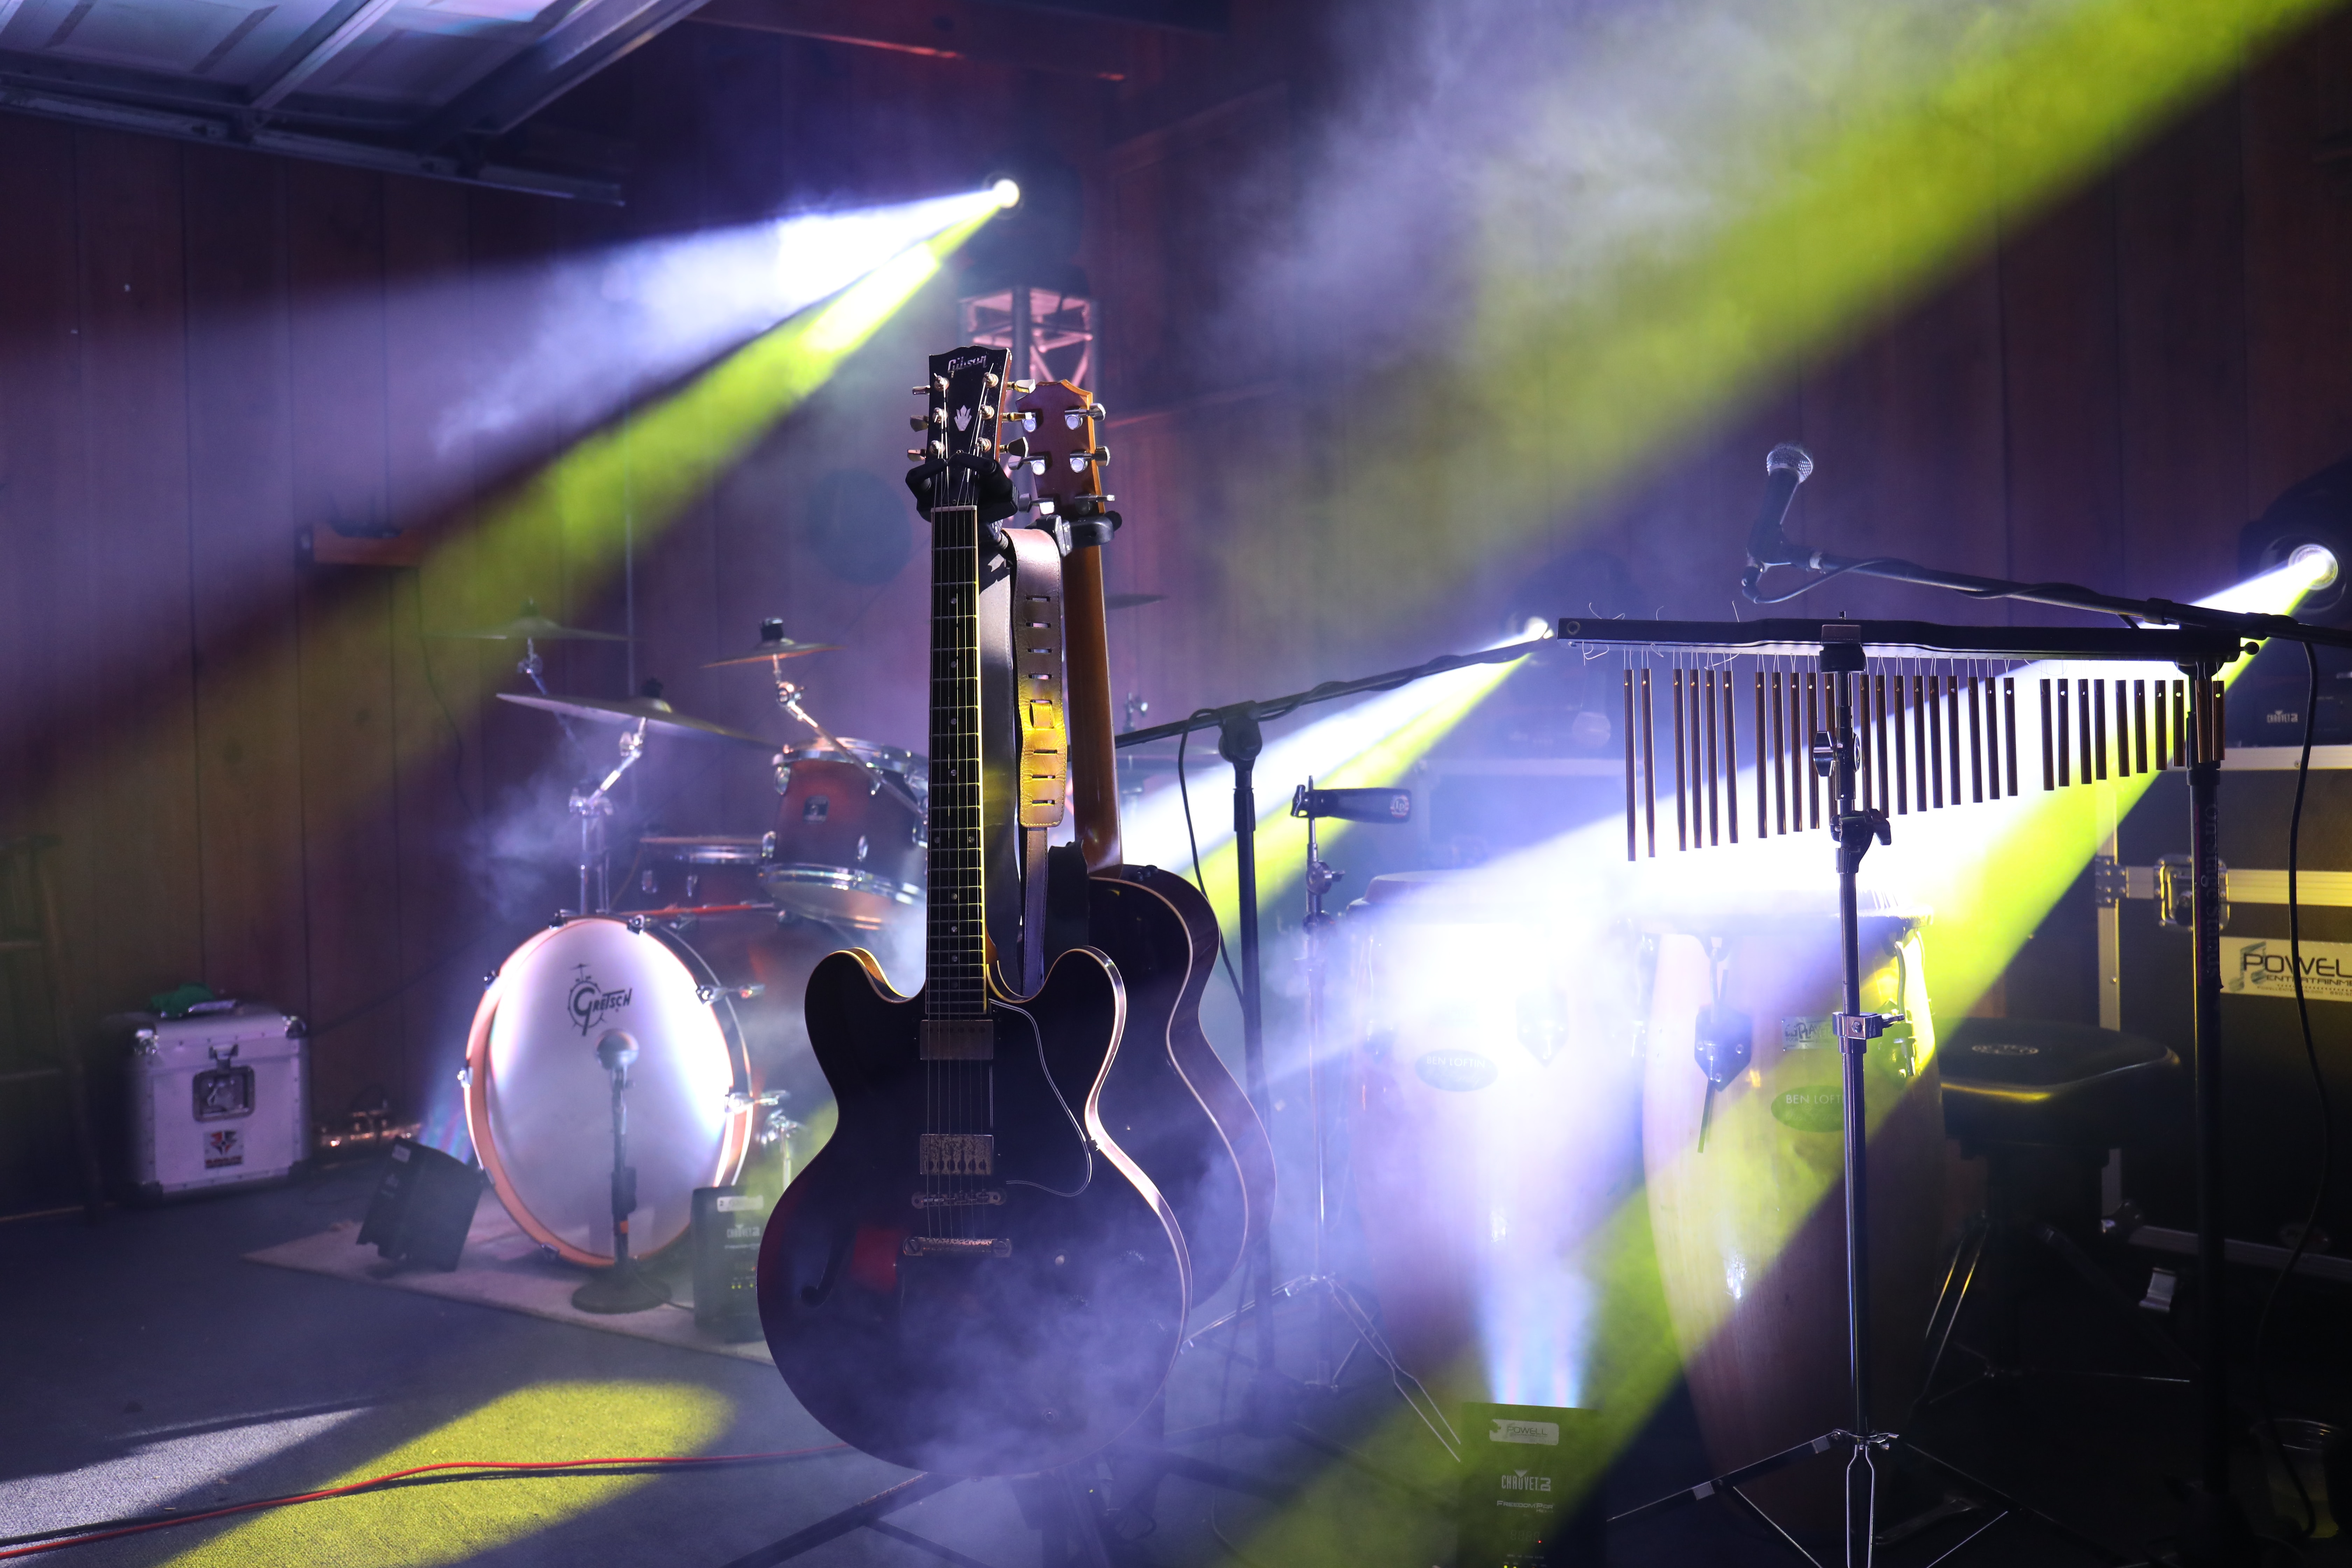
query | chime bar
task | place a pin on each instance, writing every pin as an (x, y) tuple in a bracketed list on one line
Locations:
[(1649, 769), (1730, 762), (1682, 776)]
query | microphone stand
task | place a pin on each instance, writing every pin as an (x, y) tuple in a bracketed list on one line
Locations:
[(2217, 1531), (1240, 740)]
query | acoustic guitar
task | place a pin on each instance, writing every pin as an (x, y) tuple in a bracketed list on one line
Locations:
[(971, 1278), (1169, 1100)]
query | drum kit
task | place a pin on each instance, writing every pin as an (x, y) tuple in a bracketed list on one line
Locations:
[(685, 974)]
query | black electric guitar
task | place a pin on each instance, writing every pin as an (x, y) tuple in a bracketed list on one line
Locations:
[(1169, 1100), (970, 1278)]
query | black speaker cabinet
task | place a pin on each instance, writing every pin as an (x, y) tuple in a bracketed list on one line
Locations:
[(423, 1208), (727, 1223)]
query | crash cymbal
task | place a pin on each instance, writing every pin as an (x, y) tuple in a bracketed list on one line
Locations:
[(532, 626), (657, 714), (1130, 601), (774, 643)]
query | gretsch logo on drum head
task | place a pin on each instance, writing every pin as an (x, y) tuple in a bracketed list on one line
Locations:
[(590, 1002)]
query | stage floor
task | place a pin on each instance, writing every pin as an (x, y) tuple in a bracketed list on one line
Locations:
[(150, 1365)]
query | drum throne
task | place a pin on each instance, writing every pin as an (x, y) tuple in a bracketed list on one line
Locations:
[(2044, 1103)]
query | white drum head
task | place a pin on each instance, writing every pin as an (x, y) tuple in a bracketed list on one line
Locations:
[(540, 1104)]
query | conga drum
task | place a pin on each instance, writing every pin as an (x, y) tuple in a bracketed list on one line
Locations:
[(1744, 1177), (1493, 1128)]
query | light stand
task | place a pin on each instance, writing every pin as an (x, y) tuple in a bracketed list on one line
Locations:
[(622, 1288)]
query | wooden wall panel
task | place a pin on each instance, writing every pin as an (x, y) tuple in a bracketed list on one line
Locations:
[(244, 578), (133, 850), (350, 743), (2298, 267), (2182, 286)]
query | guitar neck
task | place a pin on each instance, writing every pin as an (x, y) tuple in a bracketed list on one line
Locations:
[(1094, 751), (955, 948)]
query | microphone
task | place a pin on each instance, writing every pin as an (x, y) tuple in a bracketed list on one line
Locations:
[(1786, 467), (1390, 805)]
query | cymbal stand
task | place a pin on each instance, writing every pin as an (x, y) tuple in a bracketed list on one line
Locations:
[(532, 664), (788, 696), (592, 809)]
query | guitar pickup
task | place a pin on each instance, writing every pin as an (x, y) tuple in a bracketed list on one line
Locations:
[(959, 1246), (984, 1197), (957, 1040), (956, 1155)]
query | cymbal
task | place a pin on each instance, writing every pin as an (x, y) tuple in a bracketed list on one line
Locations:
[(774, 643), (1130, 601), (656, 713), (532, 626)]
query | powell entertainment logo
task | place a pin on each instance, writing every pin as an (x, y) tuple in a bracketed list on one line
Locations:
[(591, 1002)]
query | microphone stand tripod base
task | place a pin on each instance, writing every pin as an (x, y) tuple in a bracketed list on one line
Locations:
[(621, 1288)]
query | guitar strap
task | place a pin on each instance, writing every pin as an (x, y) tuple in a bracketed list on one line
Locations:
[(1041, 781)]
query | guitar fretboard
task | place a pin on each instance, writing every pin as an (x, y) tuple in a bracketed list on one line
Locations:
[(956, 946)]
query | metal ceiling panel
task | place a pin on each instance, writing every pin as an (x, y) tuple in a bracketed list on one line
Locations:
[(394, 78)]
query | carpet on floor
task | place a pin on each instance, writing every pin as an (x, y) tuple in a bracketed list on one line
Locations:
[(501, 1267)]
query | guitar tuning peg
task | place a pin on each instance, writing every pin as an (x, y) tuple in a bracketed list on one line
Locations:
[(915, 422), (1029, 419), (1078, 460), (1076, 416), (914, 454), (987, 414), (1024, 387), (1038, 463), (919, 392), (938, 384), (994, 380), (1096, 412), (1017, 448)]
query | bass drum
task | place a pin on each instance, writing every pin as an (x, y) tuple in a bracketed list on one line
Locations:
[(1746, 1187), (1494, 1129), (538, 1105)]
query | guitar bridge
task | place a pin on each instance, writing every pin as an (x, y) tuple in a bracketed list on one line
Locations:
[(956, 1155), (985, 1196), (959, 1246)]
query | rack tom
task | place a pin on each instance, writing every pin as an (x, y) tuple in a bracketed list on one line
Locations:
[(849, 838)]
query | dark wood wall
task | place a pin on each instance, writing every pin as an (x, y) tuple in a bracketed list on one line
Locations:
[(264, 775)]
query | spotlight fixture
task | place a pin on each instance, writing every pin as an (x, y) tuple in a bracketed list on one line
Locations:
[(1007, 192)]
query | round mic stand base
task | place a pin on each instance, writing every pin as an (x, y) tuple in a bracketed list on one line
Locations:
[(623, 1286)]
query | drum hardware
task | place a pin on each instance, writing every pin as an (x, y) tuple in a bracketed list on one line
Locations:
[(648, 709), (622, 1287), (1850, 698)]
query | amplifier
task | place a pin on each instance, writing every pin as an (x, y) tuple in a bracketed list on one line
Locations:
[(423, 1208), (216, 1099), (727, 1222), (2270, 1114)]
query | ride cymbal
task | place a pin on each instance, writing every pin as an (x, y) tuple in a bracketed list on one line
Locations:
[(774, 643), (532, 626)]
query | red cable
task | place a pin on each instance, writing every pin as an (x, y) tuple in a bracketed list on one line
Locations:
[(403, 1475)]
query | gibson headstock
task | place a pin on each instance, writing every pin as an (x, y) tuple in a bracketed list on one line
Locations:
[(961, 421), (1054, 423)]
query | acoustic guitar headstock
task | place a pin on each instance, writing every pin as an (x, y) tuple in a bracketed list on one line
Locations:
[(1052, 431)]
